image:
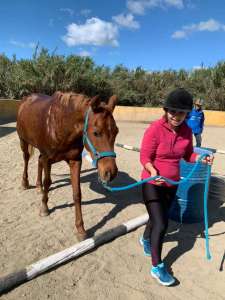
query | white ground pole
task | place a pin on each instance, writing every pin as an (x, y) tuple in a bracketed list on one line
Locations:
[(16, 278), (220, 151), (128, 147), (87, 156)]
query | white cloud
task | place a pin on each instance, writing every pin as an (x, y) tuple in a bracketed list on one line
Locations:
[(94, 32), (84, 53), (67, 10), (176, 3), (197, 68), (85, 12), (23, 45), (179, 34), (210, 25), (138, 7), (126, 21)]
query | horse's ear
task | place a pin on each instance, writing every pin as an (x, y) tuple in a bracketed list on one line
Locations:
[(95, 102), (112, 103)]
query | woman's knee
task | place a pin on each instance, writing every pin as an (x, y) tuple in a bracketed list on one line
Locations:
[(159, 227)]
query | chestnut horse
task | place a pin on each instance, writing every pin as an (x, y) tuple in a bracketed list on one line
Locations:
[(60, 126)]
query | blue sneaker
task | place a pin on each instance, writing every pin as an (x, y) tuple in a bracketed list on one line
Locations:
[(146, 246), (161, 275)]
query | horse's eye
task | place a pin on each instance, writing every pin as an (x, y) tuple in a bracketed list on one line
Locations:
[(97, 134)]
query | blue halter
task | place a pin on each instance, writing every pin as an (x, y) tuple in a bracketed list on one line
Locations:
[(96, 155)]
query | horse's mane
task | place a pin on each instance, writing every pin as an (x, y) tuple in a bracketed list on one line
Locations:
[(69, 98)]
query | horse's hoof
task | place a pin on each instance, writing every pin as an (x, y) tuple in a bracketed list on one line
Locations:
[(25, 186), (81, 236), (44, 212)]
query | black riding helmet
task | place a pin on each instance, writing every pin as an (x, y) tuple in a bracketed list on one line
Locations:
[(180, 100)]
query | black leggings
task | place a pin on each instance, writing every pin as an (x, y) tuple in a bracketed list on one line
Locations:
[(157, 200)]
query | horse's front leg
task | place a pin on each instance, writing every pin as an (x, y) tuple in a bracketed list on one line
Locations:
[(75, 168), (39, 184), (46, 164)]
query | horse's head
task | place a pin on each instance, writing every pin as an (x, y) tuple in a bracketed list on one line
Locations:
[(99, 136)]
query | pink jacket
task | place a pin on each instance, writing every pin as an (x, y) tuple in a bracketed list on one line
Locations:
[(164, 149)]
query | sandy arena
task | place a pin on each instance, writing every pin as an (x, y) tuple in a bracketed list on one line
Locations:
[(118, 269)]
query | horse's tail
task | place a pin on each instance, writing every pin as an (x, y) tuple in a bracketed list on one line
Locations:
[(31, 150)]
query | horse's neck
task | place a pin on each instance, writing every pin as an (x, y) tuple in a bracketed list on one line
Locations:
[(68, 120)]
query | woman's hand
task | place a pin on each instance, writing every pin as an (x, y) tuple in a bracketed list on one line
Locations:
[(153, 172)]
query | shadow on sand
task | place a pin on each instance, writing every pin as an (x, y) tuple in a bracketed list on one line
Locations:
[(184, 234), (187, 234), (120, 199), (5, 130)]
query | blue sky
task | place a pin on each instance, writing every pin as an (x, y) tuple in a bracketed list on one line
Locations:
[(153, 34)]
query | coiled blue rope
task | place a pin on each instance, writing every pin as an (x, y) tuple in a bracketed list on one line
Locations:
[(129, 186)]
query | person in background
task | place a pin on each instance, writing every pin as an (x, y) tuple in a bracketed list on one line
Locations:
[(195, 120), (164, 143)]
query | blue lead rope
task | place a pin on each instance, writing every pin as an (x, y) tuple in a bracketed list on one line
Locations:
[(129, 186), (208, 254)]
